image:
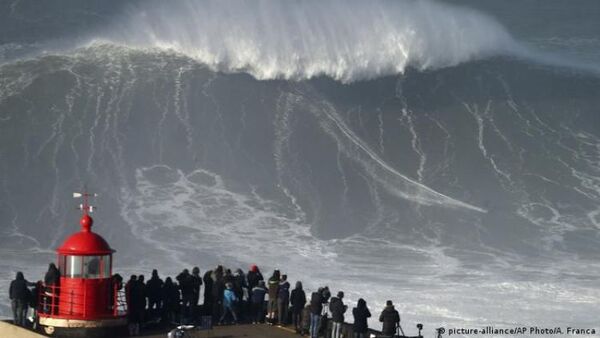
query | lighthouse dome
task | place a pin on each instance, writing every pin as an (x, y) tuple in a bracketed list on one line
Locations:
[(85, 242)]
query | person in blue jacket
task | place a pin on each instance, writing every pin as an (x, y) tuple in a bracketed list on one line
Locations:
[(230, 300)]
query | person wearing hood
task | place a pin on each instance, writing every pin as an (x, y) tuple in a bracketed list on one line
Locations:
[(253, 276), (361, 313), (273, 287), (154, 292), (19, 295), (337, 308), (390, 319), (298, 300), (51, 281), (229, 303), (258, 302), (283, 300)]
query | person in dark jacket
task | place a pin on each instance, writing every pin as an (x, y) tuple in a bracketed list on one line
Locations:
[(171, 299), (52, 276), (283, 300), (258, 302), (337, 308), (361, 313), (51, 280), (196, 284), (298, 300), (390, 319), (273, 287), (130, 283), (186, 284), (136, 304), (240, 287), (208, 300), (19, 295), (217, 293), (253, 276), (316, 308), (154, 294)]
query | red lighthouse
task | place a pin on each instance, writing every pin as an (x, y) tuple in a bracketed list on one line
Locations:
[(88, 299)]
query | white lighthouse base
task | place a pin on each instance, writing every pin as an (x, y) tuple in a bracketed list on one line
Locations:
[(78, 323), (62, 327)]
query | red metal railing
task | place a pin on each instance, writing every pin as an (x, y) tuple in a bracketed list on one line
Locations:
[(55, 302)]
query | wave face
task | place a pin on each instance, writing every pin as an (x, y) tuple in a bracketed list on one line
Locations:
[(345, 40), (460, 192)]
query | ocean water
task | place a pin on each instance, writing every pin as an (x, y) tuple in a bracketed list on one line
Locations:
[(445, 155)]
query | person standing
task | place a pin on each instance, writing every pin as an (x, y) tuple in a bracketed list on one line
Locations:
[(316, 308), (273, 289), (298, 300), (196, 281), (208, 300), (253, 276), (230, 300), (390, 319), (19, 296), (187, 294), (171, 299), (258, 302), (283, 300), (218, 288), (51, 281), (361, 313), (337, 308), (154, 294)]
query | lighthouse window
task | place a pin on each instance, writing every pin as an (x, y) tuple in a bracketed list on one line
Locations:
[(74, 266), (96, 266)]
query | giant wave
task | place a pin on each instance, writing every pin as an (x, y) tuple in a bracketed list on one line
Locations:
[(345, 40)]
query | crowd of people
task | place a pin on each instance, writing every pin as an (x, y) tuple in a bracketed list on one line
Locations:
[(228, 298)]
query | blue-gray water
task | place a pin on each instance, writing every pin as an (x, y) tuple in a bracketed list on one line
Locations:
[(445, 155)]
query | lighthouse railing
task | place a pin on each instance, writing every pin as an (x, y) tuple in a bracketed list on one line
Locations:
[(69, 303)]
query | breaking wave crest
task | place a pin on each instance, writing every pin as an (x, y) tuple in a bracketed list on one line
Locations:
[(345, 40)]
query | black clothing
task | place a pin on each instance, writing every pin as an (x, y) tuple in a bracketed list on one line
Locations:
[(154, 293), (325, 294), (208, 285), (186, 283), (18, 290), (390, 319), (273, 287), (137, 301), (283, 292), (253, 278), (298, 299), (337, 308), (316, 303), (360, 319), (196, 283), (52, 276), (239, 283)]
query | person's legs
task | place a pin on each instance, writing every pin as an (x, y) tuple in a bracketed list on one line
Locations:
[(232, 309), (314, 325)]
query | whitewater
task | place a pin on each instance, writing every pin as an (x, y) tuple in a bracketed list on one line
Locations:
[(419, 151)]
